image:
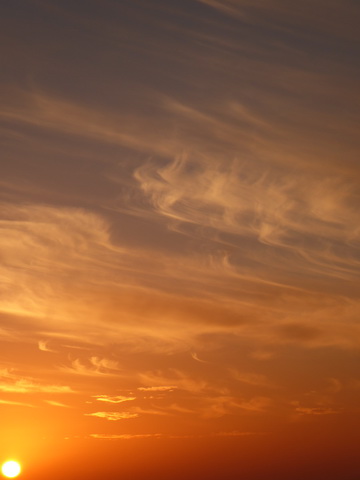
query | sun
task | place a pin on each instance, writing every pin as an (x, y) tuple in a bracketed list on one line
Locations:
[(11, 469)]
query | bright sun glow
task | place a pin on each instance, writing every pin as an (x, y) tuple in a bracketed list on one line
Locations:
[(11, 469)]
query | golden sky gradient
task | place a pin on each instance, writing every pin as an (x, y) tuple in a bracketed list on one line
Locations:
[(179, 239)]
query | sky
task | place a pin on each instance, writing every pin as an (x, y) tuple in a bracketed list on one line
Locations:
[(179, 239)]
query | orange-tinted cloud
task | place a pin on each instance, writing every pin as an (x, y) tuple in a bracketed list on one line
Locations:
[(113, 416)]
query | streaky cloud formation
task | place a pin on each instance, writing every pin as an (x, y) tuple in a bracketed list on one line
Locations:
[(179, 238), (11, 382), (116, 399), (112, 416)]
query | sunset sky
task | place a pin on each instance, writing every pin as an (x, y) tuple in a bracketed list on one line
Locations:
[(180, 239)]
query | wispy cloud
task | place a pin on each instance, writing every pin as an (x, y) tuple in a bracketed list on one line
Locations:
[(112, 416), (315, 410), (43, 346), (94, 367), (13, 383), (254, 379), (125, 436), (129, 436), (18, 404), (116, 399), (194, 355), (218, 406), (160, 388), (117, 278), (305, 214), (174, 379), (53, 403)]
